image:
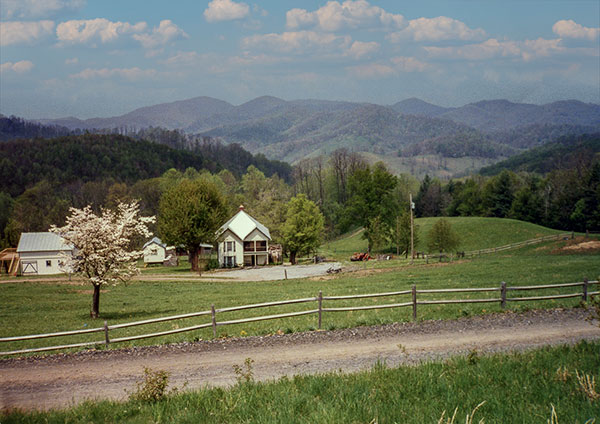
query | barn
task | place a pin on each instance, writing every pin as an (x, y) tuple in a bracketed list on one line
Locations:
[(42, 253)]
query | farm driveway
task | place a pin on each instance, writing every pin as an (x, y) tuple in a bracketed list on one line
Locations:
[(266, 273), (61, 380)]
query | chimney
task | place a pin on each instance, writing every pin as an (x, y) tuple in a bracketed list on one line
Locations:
[(241, 207)]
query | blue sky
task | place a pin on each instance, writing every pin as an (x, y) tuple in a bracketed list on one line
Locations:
[(88, 58)]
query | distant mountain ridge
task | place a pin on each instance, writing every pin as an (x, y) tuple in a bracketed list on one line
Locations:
[(293, 130)]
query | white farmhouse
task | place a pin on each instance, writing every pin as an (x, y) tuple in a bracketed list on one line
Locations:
[(42, 253), (243, 241)]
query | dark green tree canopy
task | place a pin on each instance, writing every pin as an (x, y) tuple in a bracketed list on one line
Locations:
[(190, 213)]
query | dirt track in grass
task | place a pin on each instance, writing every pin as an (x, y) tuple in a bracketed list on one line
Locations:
[(61, 380)]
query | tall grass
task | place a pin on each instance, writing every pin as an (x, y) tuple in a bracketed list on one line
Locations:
[(516, 388)]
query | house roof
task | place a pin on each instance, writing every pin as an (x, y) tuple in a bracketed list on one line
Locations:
[(42, 242), (157, 241), (242, 224)]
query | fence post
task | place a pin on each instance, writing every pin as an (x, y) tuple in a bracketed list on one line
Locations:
[(503, 295), (585, 289), (320, 300), (427, 259), (414, 301), (213, 313), (285, 273), (106, 339)]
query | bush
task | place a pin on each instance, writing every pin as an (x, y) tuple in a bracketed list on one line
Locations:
[(153, 388)]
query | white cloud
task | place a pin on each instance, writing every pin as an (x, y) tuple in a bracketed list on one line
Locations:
[(72, 61), (436, 29), (131, 74), (349, 14), (17, 32), (27, 9), (183, 59), (571, 29), (359, 49), (409, 64), (93, 30), (225, 10), (298, 42), (492, 48), (166, 32), (17, 67)]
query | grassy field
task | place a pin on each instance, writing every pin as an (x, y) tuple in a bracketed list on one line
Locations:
[(475, 233), (516, 388), (38, 307)]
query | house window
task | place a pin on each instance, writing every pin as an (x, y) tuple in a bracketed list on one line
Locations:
[(261, 246), (154, 252), (48, 264), (229, 246)]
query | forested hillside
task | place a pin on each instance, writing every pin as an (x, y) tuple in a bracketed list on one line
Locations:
[(564, 153), (13, 127), (483, 131), (90, 157)]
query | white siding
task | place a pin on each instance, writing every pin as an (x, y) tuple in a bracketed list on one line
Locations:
[(236, 245), (154, 253), (41, 263)]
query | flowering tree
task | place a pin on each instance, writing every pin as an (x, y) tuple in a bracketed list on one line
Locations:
[(102, 245)]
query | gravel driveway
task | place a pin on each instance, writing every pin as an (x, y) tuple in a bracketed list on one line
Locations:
[(270, 273), (64, 379)]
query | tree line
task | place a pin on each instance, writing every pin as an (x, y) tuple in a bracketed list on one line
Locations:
[(346, 190)]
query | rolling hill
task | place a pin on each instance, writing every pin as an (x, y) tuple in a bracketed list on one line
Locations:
[(475, 232), (293, 130)]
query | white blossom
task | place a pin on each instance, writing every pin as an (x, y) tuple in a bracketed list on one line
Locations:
[(102, 242)]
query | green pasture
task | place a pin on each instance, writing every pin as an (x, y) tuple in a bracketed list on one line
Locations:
[(475, 233), (38, 307), (515, 388)]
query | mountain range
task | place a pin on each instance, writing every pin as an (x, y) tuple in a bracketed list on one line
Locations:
[(293, 130)]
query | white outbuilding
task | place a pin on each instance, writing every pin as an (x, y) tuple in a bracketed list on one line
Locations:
[(42, 253), (243, 241)]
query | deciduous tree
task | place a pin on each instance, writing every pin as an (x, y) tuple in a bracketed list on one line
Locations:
[(190, 213), (442, 238), (303, 227), (101, 243)]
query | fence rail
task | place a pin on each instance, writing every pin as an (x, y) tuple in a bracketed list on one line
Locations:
[(503, 289), (479, 252)]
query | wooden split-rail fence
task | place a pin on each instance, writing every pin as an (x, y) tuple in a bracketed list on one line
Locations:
[(479, 252), (503, 298)]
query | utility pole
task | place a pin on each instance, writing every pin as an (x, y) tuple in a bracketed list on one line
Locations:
[(412, 247)]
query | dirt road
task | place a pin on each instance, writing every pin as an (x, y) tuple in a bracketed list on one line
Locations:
[(62, 380)]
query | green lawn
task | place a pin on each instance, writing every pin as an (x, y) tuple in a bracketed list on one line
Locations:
[(516, 388), (35, 307)]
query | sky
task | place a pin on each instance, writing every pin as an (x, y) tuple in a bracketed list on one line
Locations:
[(100, 58)]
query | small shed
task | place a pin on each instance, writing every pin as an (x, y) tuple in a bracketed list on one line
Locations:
[(42, 253), (155, 251)]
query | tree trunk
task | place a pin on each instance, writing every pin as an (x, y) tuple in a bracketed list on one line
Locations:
[(95, 312), (193, 258), (293, 258)]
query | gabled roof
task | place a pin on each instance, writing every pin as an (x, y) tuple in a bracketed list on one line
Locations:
[(42, 242), (242, 224), (157, 241)]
